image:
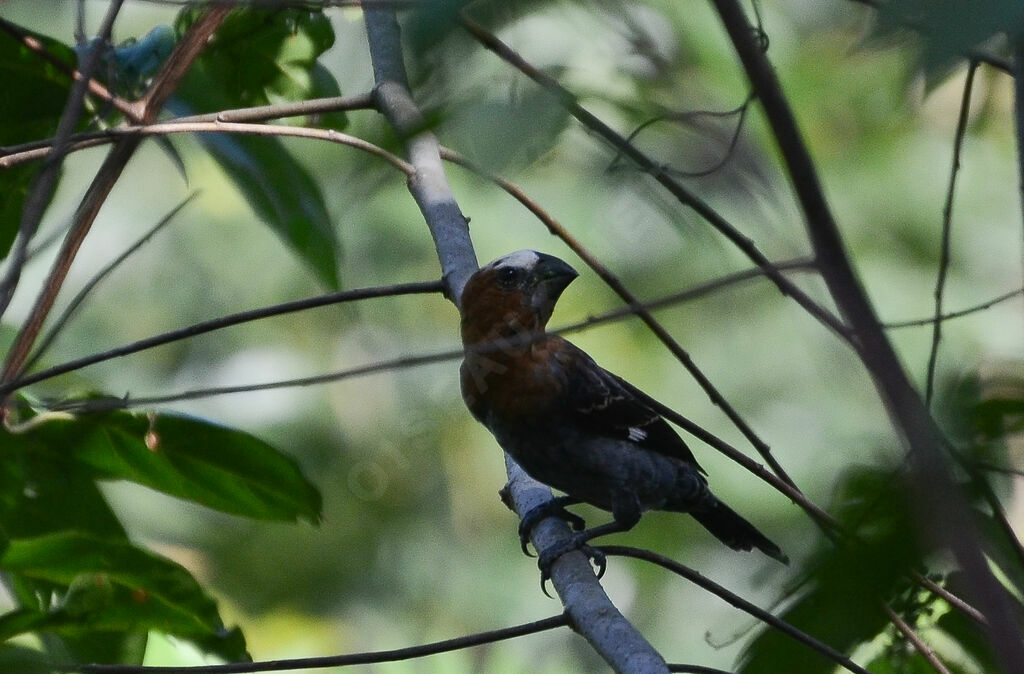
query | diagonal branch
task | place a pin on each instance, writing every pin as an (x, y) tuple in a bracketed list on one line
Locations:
[(664, 178), (663, 335), (219, 324), (149, 106), (591, 611), (940, 504), (45, 183)]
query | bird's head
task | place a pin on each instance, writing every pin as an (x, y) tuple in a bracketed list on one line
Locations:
[(514, 294)]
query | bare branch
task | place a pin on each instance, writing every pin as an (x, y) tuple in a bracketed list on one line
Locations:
[(664, 178), (947, 225), (16, 154), (957, 314), (735, 600), (76, 302), (631, 300), (428, 185), (924, 649), (939, 502), (396, 655), (224, 322), (96, 88)]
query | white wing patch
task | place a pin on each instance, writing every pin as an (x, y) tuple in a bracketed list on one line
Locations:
[(637, 434), (521, 259)]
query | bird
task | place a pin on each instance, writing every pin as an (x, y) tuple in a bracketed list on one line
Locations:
[(571, 424)]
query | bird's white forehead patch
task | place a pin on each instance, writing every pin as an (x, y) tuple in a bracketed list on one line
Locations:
[(521, 259)]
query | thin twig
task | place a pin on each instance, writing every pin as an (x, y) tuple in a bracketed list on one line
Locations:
[(352, 295), (1018, 110), (15, 154), (956, 314), (613, 282), (395, 655), (45, 183), (924, 649), (947, 226), (953, 600), (735, 600), (734, 137), (367, 293), (224, 322), (664, 178), (76, 302)]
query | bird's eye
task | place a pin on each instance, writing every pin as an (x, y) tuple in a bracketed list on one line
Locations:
[(508, 277)]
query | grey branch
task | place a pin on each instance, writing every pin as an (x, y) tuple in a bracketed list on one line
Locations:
[(591, 611)]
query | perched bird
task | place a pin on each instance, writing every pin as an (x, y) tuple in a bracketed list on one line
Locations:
[(570, 423)]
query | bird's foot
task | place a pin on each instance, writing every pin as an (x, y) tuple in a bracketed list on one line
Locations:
[(553, 508), (578, 542)]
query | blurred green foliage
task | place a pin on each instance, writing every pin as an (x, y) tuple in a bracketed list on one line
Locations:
[(412, 543)]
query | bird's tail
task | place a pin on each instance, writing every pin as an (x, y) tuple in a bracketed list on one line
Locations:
[(733, 530)]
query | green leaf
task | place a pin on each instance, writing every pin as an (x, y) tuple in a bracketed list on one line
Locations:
[(31, 101), (114, 586), (44, 490), (950, 29), (256, 58), (190, 458), (283, 194), (841, 599), (24, 660)]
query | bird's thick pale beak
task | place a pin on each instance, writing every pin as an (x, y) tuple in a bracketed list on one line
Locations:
[(551, 276)]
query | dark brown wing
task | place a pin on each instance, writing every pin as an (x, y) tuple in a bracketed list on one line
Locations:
[(604, 404)]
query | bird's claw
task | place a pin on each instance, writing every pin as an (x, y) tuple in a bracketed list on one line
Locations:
[(552, 508), (549, 554)]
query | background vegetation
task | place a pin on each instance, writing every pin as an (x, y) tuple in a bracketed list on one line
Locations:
[(362, 514)]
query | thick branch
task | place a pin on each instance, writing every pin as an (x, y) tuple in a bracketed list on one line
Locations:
[(940, 504), (592, 613)]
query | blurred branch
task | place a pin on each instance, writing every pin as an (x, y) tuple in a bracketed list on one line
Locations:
[(734, 600), (224, 322), (45, 182), (148, 107), (96, 88), (648, 165), (613, 282), (682, 117), (924, 649), (179, 126), (953, 600), (396, 655), (987, 304), (75, 303), (1018, 105), (354, 295), (947, 226), (15, 154), (940, 505)]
